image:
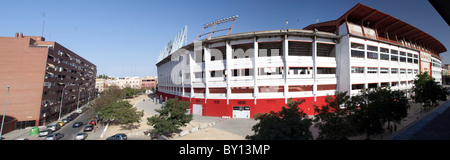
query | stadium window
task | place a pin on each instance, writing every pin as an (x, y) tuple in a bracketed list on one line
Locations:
[(394, 70), (394, 52), (402, 59), (394, 58), (357, 69), (372, 48), (357, 86), (326, 70), (300, 48), (384, 57), (372, 55), (372, 70), (325, 50), (384, 50), (270, 49), (357, 54), (300, 70), (357, 46)]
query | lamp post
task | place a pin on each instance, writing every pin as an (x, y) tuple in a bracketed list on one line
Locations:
[(79, 91), (4, 113), (62, 98)]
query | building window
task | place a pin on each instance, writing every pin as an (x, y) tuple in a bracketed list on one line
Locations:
[(326, 70), (271, 71), (384, 50), (357, 86), (402, 71), (299, 48), (394, 70), (270, 49), (357, 69), (300, 70), (402, 59), (384, 70), (410, 60), (372, 70), (325, 50), (357, 54), (372, 48), (395, 52), (402, 53), (357, 46), (384, 57), (372, 55), (394, 58)]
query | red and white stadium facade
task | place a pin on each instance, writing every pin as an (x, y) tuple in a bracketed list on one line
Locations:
[(240, 75)]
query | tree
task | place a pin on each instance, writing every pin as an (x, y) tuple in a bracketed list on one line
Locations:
[(290, 123), (426, 89), (122, 112), (376, 106), (366, 118), (171, 117), (110, 106), (331, 119)]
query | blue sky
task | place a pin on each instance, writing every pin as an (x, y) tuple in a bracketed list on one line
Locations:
[(124, 37)]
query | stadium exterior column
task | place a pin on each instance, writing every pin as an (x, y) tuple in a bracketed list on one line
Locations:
[(255, 69), (206, 70), (229, 58), (285, 69), (191, 72), (314, 54)]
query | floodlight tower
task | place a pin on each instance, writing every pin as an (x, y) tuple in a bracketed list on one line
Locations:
[(215, 23)]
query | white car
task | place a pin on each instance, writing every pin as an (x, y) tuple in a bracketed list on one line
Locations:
[(54, 136), (81, 136), (45, 132)]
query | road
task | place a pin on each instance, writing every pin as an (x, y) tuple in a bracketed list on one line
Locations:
[(70, 132)]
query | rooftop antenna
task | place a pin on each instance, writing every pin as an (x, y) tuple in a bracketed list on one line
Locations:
[(43, 24)]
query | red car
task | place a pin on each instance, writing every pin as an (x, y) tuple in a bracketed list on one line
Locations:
[(93, 122)]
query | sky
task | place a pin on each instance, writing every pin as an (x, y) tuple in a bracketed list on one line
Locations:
[(124, 37)]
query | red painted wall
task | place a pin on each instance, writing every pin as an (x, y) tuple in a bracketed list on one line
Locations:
[(219, 107)]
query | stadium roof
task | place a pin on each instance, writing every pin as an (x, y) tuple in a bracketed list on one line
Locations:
[(382, 22)]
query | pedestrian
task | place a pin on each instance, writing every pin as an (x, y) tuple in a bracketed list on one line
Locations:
[(390, 130), (395, 128)]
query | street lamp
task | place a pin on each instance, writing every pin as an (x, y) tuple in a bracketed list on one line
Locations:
[(62, 98), (4, 113), (79, 91)]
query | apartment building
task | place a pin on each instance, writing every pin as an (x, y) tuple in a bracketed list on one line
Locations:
[(42, 75)]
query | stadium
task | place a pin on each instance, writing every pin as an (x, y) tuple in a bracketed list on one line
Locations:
[(240, 75)]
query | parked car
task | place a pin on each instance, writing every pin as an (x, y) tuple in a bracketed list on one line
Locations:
[(65, 120), (53, 127), (81, 136), (60, 123), (88, 128), (119, 136), (54, 136), (77, 124), (93, 122), (45, 132)]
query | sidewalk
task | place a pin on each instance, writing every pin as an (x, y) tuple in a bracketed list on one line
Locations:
[(415, 114), (24, 133)]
